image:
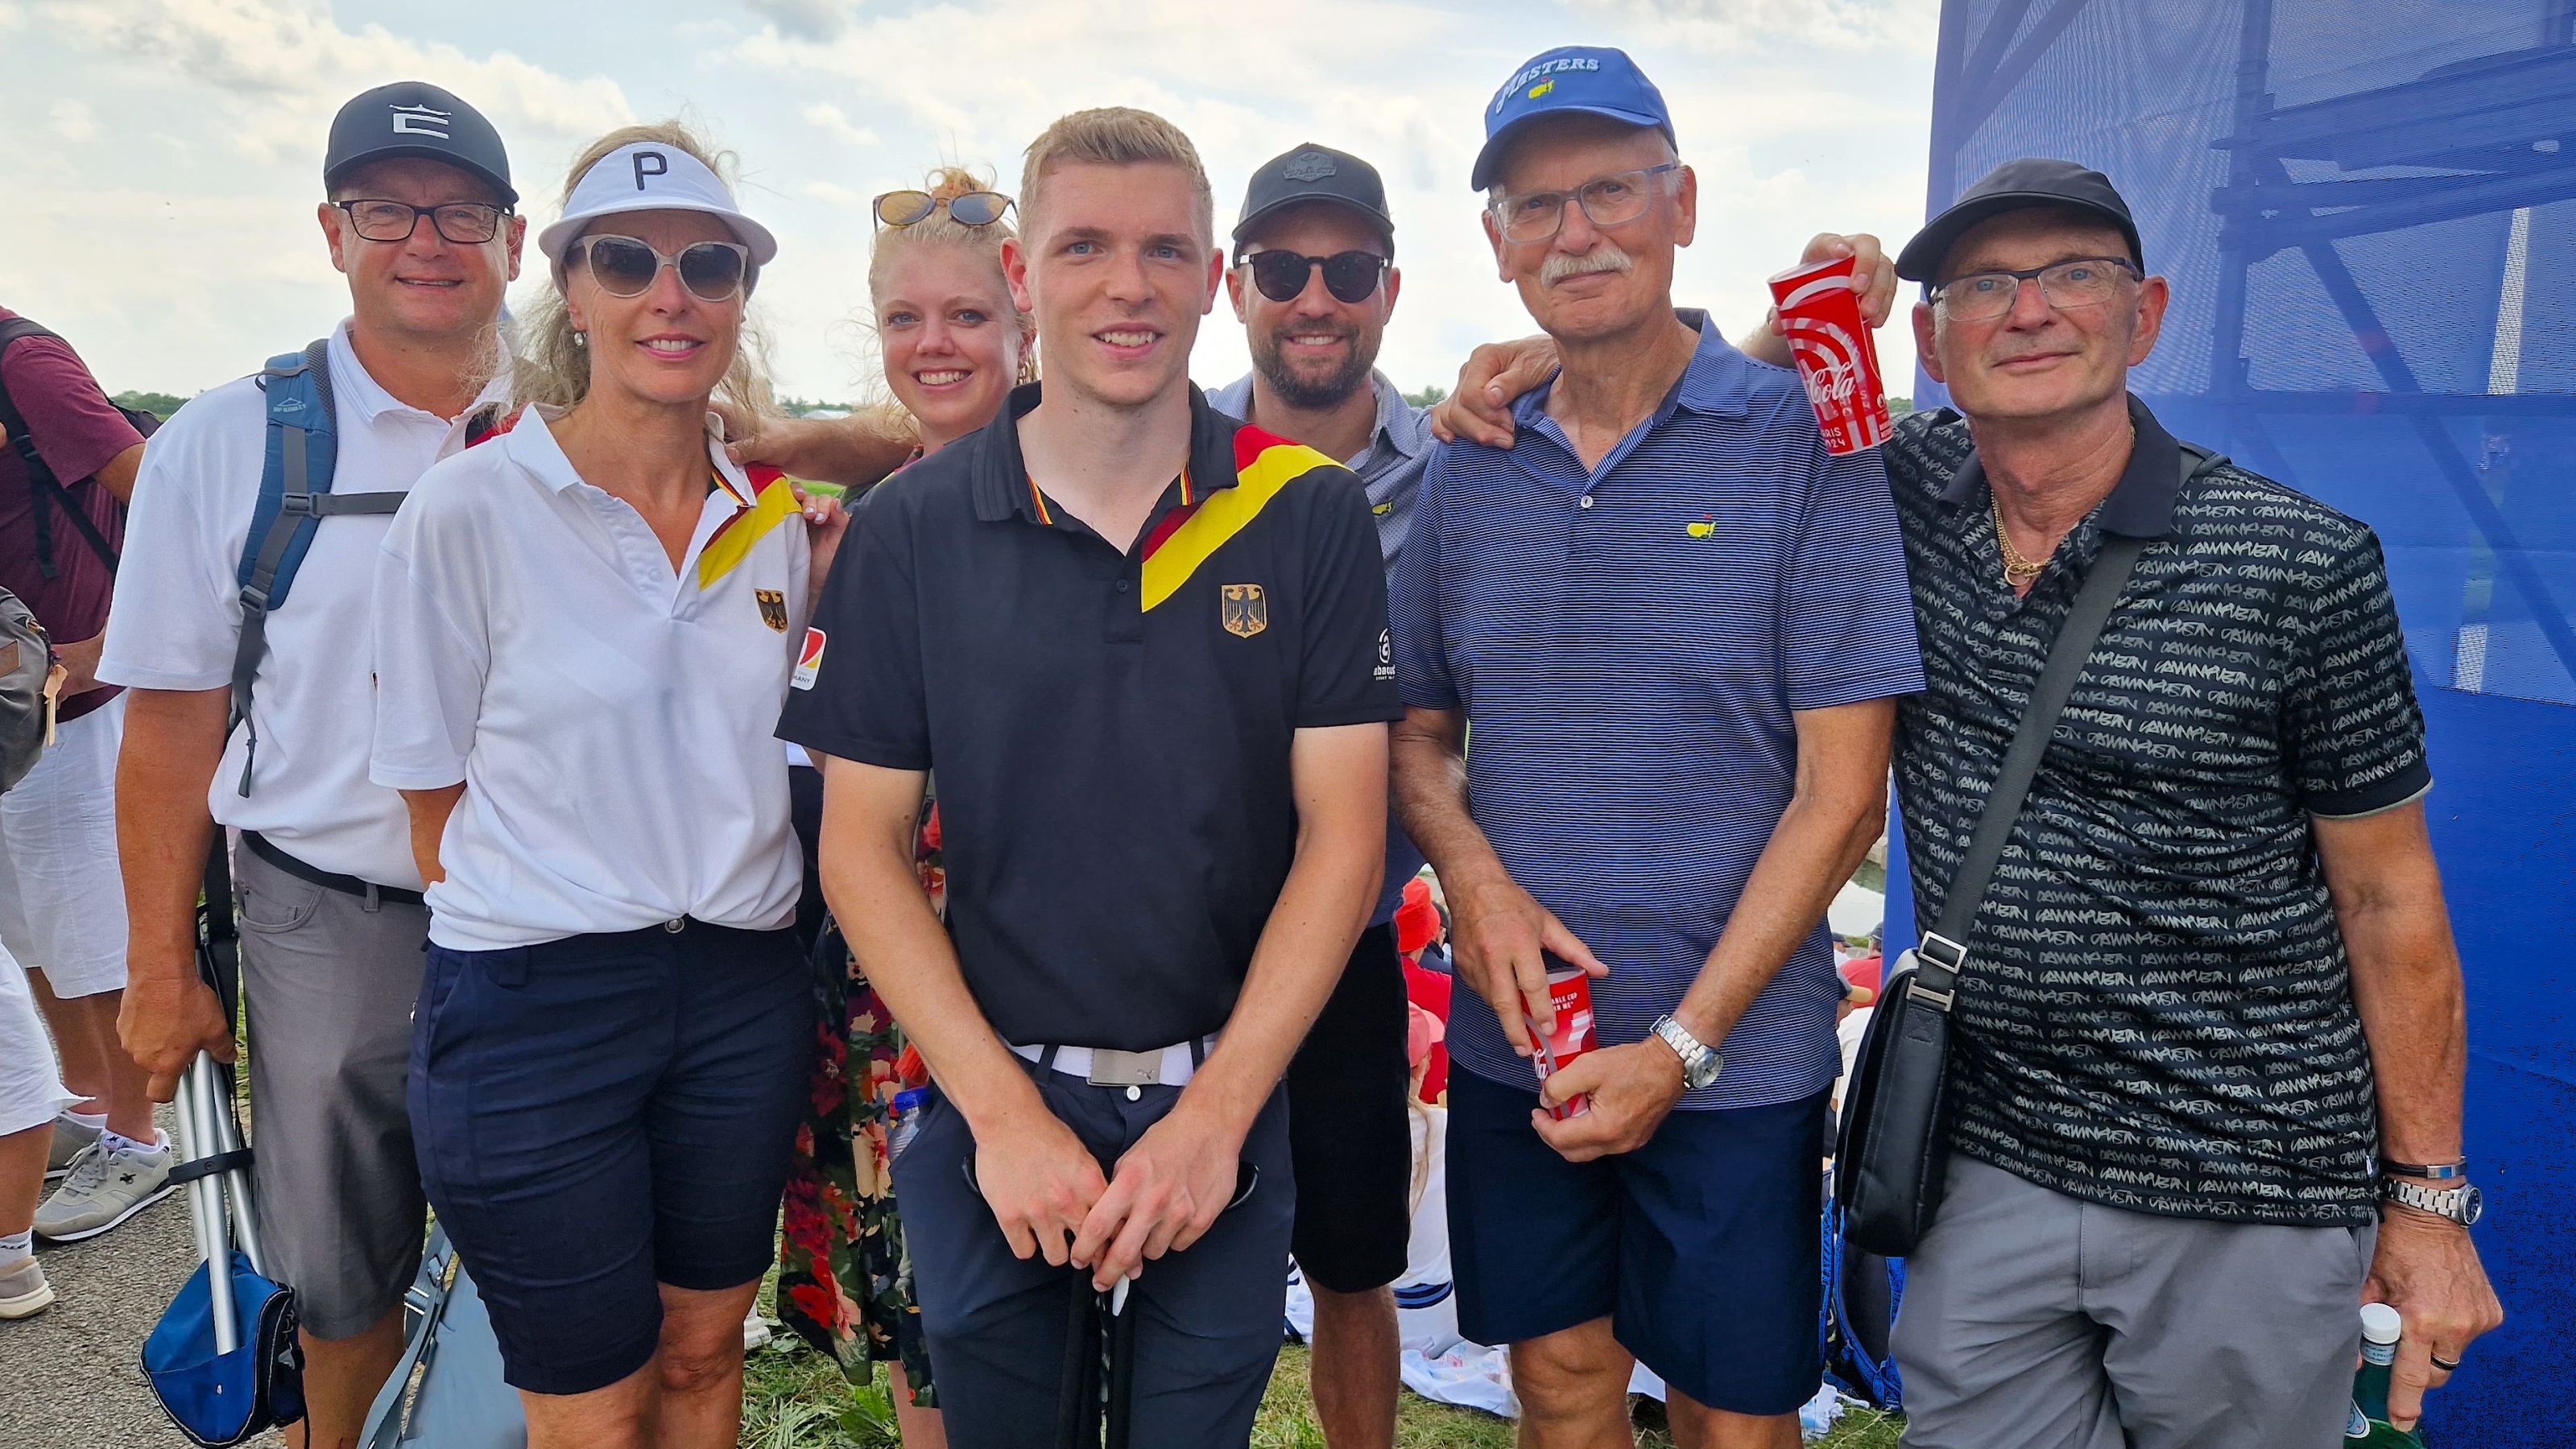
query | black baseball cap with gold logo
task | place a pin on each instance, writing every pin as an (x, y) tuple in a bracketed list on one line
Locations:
[(415, 118)]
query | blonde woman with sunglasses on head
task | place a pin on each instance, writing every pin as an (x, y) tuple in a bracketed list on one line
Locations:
[(585, 629), (954, 346)]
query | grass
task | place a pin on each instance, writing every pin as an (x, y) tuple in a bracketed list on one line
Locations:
[(795, 1398)]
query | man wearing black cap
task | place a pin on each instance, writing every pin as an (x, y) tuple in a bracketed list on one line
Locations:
[(419, 217), (2209, 1028), (1314, 282)]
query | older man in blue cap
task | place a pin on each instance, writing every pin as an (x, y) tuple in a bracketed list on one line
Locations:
[(1677, 627)]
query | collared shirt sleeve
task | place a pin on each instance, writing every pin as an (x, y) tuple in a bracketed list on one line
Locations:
[(1347, 670), (76, 430), (176, 621), (859, 692), (2354, 734), (432, 646), (1413, 601), (1847, 630)]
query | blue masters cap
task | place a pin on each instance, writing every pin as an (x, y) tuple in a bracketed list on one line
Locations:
[(1585, 80)]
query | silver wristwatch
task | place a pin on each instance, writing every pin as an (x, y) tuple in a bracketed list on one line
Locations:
[(2463, 1204), (1700, 1061)]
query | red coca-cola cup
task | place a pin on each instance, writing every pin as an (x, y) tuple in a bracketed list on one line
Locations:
[(1569, 992), (1837, 359)]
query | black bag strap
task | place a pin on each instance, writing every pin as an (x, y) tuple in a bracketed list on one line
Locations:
[(41, 481), (1943, 951)]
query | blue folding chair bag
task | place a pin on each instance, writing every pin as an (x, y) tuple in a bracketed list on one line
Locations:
[(221, 1399)]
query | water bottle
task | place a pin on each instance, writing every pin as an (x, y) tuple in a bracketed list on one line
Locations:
[(2380, 1330), (907, 1121)]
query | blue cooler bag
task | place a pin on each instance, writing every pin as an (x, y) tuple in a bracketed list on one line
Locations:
[(220, 1399)]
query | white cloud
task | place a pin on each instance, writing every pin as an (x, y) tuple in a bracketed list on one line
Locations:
[(805, 19), (73, 122), (1729, 27), (825, 191), (833, 122), (279, 69)]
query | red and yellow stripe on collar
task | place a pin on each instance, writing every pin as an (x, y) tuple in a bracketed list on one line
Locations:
[(753, 518), (1263, 464)]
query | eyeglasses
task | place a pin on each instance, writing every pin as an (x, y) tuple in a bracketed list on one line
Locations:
[(1350, 276), (912, 208), (464, 223), (1613, 200), (625, 266), (2067, 285)]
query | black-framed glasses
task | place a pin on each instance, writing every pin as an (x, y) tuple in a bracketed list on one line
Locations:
[(1613, 200), (912, 208), (2067, 285), (625, 266), (1350, 276), (463, 223)]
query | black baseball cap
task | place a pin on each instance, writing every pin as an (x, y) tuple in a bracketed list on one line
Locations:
[(2014, 186), (1316, 173), (415, 118)]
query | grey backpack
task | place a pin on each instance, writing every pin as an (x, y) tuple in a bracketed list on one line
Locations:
[(26, 706)]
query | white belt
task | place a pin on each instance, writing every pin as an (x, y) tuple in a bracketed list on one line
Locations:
[(1172, 1066)]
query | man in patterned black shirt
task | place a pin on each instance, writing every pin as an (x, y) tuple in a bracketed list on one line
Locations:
[(2211, 993)]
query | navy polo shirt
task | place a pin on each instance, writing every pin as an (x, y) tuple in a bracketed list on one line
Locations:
[(1629, 644), (1110, 727)]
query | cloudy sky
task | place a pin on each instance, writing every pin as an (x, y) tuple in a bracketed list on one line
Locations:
[(164, 156)]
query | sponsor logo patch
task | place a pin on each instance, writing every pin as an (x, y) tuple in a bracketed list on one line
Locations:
[(809, 661)]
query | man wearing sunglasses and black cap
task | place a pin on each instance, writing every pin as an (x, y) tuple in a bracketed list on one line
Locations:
[(1314, 282), (419, 217)]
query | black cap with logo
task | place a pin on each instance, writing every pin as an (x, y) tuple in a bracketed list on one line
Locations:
[(2015, 186), (1316, 173), (415, 118)]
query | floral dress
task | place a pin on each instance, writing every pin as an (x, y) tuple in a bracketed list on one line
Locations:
[(844, 1279)]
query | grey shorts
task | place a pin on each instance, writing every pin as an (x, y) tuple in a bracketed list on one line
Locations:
[(2032, 1320), (329, 986)]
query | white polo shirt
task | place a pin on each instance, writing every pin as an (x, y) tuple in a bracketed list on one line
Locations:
[(177, 613), (613, 722)]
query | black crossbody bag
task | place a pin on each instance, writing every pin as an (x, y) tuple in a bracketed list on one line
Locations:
[(1891, 1153)]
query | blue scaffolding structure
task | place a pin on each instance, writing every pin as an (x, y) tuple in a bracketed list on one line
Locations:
[(2368, 213)]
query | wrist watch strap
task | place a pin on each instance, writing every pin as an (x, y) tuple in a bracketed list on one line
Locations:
[(2452, 1171)]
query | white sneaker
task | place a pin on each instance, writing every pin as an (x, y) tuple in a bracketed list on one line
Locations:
[(71, 1139), (755, 1330), (24, 1292), (104, 1189)]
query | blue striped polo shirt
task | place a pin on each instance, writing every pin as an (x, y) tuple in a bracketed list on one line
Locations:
[(1628, 644)]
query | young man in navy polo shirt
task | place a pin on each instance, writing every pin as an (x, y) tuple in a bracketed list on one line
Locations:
[(1144, 647), (1677, 628)]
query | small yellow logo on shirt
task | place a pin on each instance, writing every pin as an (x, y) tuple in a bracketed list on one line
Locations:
[(1243, 609), (1706, 526), (773, 608), (1542, 88)]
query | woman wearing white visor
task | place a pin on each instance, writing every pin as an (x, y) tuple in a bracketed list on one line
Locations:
[(584, 632)]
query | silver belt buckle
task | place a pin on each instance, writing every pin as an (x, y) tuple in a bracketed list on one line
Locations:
[(1111, 1068)]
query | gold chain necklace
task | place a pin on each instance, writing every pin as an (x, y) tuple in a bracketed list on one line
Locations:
[(2018, 570)]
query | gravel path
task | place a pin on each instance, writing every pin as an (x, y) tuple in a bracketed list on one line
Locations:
[(70, 1377)]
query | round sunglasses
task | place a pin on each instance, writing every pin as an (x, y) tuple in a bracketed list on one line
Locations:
[(625, 266), (1350, 276), (912, 208)]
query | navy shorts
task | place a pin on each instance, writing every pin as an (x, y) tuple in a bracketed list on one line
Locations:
[(598, 1115), (1700, 1247)]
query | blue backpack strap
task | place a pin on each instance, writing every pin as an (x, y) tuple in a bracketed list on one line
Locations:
[(294, 497)]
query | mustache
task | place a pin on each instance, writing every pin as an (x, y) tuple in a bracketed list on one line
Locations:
[(1605, 256)]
